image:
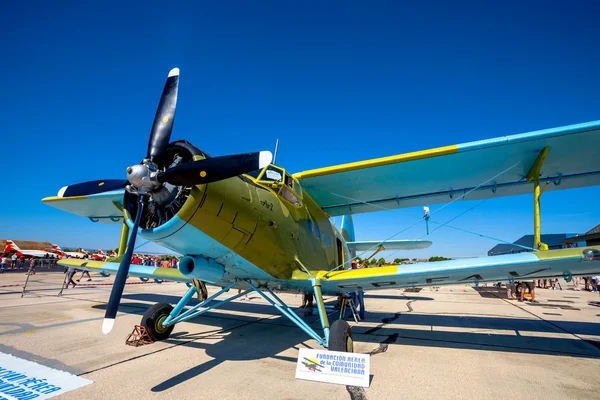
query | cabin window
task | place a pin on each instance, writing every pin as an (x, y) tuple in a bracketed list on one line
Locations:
[(287, 194)]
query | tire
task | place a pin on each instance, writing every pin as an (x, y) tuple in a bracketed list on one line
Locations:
[(152, 321), (340, 337)]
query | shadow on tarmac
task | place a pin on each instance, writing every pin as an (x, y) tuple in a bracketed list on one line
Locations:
[(239, 342)]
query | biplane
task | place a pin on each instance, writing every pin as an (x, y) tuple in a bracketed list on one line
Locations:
[(242, 222)]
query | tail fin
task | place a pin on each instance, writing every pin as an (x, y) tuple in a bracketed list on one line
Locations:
[(347, 231), (100, 252), (56, 247), (11, 246)]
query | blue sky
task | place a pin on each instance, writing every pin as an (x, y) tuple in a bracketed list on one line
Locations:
[(334, 81)]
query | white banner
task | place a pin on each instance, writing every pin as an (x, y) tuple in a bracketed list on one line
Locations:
[(334, 367), (24, 380)]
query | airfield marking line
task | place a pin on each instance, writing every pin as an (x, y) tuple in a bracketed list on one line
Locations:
[(548, 322)]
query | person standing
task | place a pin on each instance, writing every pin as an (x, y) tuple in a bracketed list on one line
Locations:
[(358, 297), (528, 283), (2, 264), (576, 281), (556, 282), (70, 273), (13, 261), (595, 284), (510, 290), (85, 273)]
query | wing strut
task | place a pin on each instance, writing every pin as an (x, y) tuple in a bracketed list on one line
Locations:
[(534, 174)]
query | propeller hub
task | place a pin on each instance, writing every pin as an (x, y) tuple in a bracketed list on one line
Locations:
[(142, 178)]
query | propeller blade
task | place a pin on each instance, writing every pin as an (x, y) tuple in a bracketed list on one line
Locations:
[(92, 187), (215, 169), (119, 284), (165, 114)]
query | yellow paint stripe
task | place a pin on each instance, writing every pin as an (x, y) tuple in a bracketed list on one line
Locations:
[(76, 262), (168, 273), (563, 253), (30, 332), (378, 162), (362, 273), (57, 198)]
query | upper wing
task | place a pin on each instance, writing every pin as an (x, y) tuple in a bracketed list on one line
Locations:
[(541, 264), (410, 244), (441, 174), (103, 207)]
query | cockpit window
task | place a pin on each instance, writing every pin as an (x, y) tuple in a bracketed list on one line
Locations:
[(272, 175), (282, 183)]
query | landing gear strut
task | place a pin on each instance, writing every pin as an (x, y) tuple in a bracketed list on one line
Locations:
[(160, 319)]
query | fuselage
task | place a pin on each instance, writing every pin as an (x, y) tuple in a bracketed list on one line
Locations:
[(246, 222)]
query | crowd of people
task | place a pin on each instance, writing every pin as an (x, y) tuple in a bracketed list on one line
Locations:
[(164, 262), (590, 283), (14, 261)]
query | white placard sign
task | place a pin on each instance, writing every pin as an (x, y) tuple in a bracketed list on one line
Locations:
[(25, 380), (334, 367)]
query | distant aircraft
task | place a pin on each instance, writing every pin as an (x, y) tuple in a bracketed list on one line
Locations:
[(11, 246), (99, 255), (63, 254), (243, 222)]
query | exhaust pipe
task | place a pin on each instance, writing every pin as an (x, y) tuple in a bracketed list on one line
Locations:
[(202, 269)]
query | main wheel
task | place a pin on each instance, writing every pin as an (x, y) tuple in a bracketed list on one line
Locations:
[(340, 337), (153, 319)]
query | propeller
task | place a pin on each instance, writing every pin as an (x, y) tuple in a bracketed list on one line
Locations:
[(215, 169), (165, 115), (145, 179), (119, 284)]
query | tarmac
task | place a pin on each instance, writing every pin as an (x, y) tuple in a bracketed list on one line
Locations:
[(452, 342)]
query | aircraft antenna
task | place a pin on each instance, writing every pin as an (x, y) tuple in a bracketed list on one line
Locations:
[(276, 148)]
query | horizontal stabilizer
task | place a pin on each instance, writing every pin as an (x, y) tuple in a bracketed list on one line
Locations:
[(410, 244)]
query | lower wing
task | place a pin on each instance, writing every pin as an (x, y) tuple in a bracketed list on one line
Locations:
[(542, 264), (522, 266), (141, 271)]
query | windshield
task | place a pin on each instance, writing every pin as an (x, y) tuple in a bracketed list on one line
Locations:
[(283, 184)]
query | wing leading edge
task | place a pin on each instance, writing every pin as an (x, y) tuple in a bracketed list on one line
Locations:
[(442, 174)]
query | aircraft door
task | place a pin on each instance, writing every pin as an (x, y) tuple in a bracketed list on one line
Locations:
[(340, 252)]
